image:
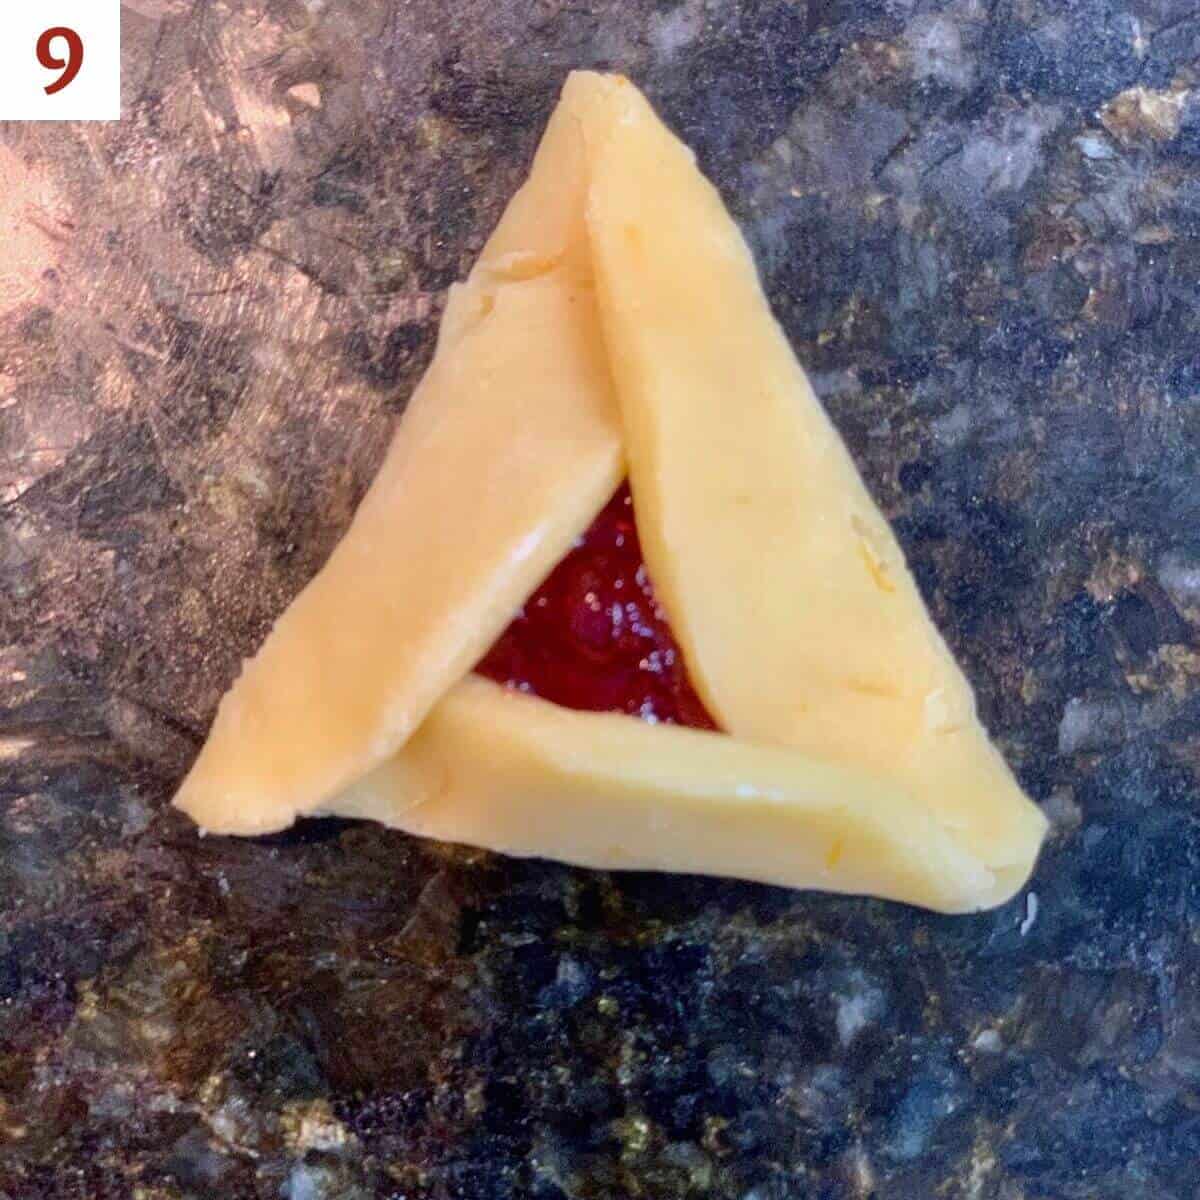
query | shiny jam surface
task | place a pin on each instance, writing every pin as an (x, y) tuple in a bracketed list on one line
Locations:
[(593, 637)]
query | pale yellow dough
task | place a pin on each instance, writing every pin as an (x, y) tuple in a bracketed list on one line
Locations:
[(509, 447), (616, 313), (496, 768)]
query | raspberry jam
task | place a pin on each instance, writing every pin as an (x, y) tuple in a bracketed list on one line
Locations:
[(593, 637)]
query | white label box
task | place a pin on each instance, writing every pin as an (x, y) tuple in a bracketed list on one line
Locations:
[(60, 60)]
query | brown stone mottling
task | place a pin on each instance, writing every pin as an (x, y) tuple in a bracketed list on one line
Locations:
[(979, 226)]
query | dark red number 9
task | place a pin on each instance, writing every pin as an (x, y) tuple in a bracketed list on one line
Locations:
[(69, 65)]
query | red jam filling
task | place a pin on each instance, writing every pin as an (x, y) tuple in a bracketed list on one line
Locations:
[(593, 637)]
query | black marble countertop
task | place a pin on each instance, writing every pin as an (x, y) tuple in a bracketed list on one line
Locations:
[(980, 224)]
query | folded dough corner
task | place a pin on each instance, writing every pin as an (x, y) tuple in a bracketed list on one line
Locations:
[(615, 324)]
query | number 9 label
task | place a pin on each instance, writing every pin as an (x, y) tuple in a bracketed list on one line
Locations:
[(70, 65), (60, 60)]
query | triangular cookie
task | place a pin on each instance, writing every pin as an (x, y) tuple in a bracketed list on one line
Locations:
[(615, 313)]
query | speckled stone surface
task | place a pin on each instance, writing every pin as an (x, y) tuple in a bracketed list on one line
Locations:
[(980, 224)]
